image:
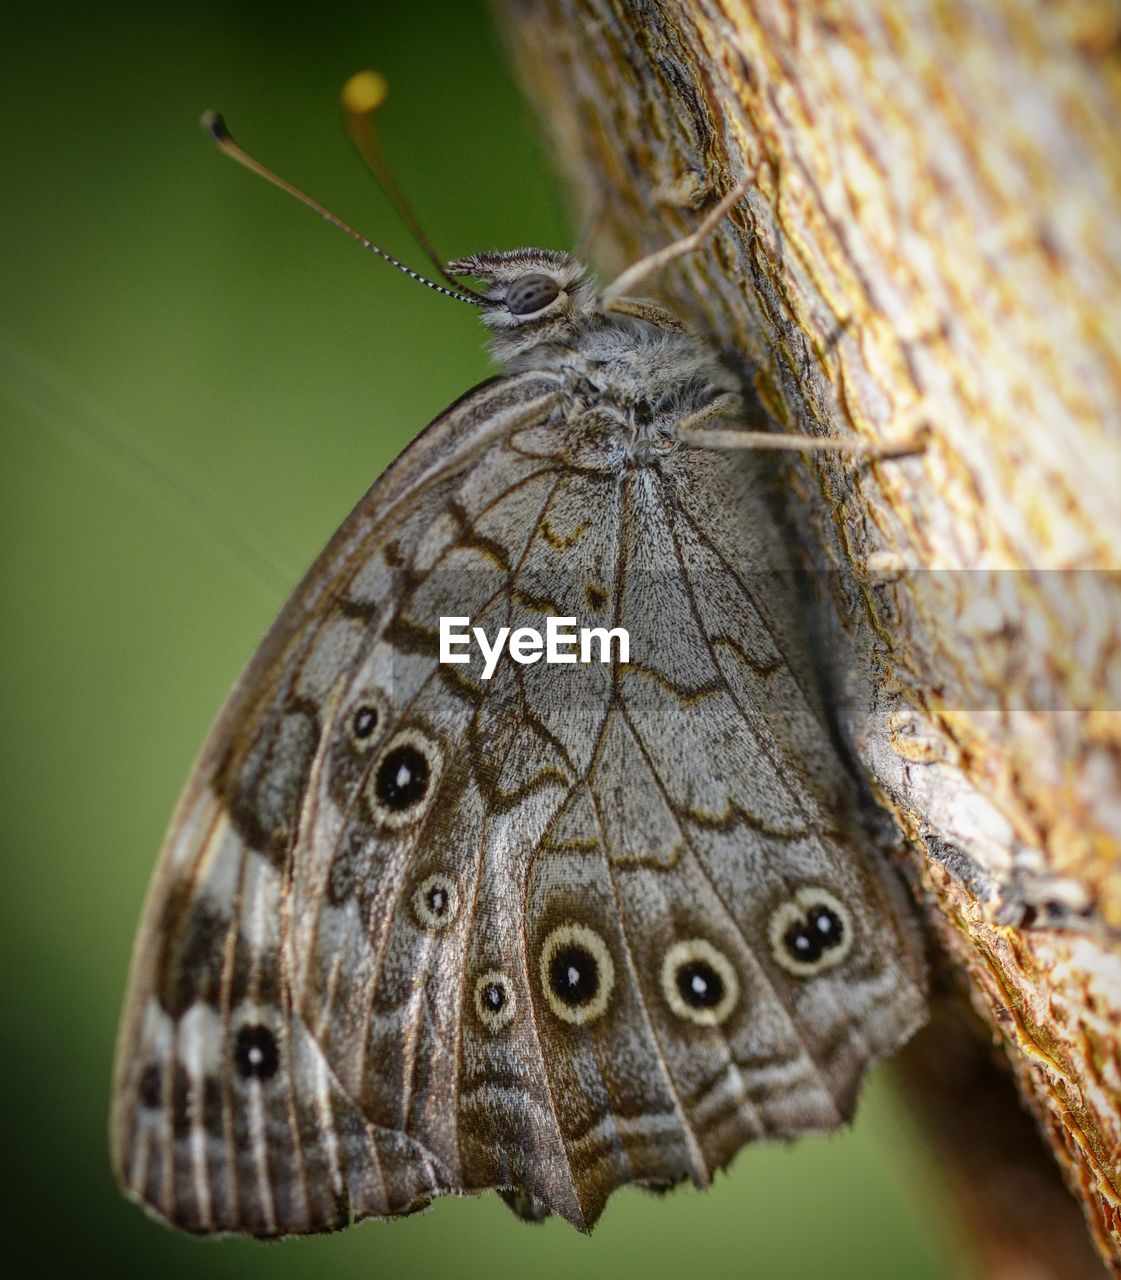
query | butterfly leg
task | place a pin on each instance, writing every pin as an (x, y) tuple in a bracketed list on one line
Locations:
[(690, 430), (727, 405), (653, 262), (648, 311)]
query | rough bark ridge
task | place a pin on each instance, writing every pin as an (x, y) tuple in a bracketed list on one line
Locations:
[(932, 237)]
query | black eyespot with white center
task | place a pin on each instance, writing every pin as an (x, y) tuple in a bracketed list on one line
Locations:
[(699, 982), (495, 1000), (810, 938), (365, 722), (365, 719), (402, 781), (577, 973), (436, 901), (402, 778), (574, 975), (256, 1056), (810, 933), (700, 985), (531, 293)]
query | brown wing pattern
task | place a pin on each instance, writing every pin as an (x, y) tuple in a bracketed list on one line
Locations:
[(571, 927)]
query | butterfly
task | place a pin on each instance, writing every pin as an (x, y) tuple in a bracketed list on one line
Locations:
[(418, 929)]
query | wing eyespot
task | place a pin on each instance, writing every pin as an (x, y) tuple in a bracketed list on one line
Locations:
[(577, 973), (256, 1053), (365, 721), (811, 932), (699, 982), (403, 779), (436, 902), (495, 1000)]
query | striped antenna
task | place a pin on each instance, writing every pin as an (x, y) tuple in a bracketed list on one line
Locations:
[(362, 95), (213, 123)]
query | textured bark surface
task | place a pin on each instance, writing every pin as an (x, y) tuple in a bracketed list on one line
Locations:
[(932, 237), (1002, 1210)]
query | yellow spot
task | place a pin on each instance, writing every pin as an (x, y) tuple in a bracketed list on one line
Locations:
[(364, 92)]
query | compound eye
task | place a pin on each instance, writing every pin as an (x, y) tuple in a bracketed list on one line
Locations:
[(528, 294)]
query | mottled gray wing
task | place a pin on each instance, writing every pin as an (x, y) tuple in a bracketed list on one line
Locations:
[(557, 931), (211, 1041)]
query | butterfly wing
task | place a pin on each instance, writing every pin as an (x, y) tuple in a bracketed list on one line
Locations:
[(572, 926), (211, 1040)]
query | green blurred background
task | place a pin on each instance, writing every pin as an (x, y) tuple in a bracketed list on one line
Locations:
[(199, 376)]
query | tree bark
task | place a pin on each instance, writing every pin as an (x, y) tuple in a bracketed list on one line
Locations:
[(932, 238)]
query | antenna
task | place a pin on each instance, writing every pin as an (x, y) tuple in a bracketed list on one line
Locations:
[(213, 123), (362, 95)]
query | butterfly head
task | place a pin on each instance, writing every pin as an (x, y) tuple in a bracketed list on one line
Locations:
[(532, 295)]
